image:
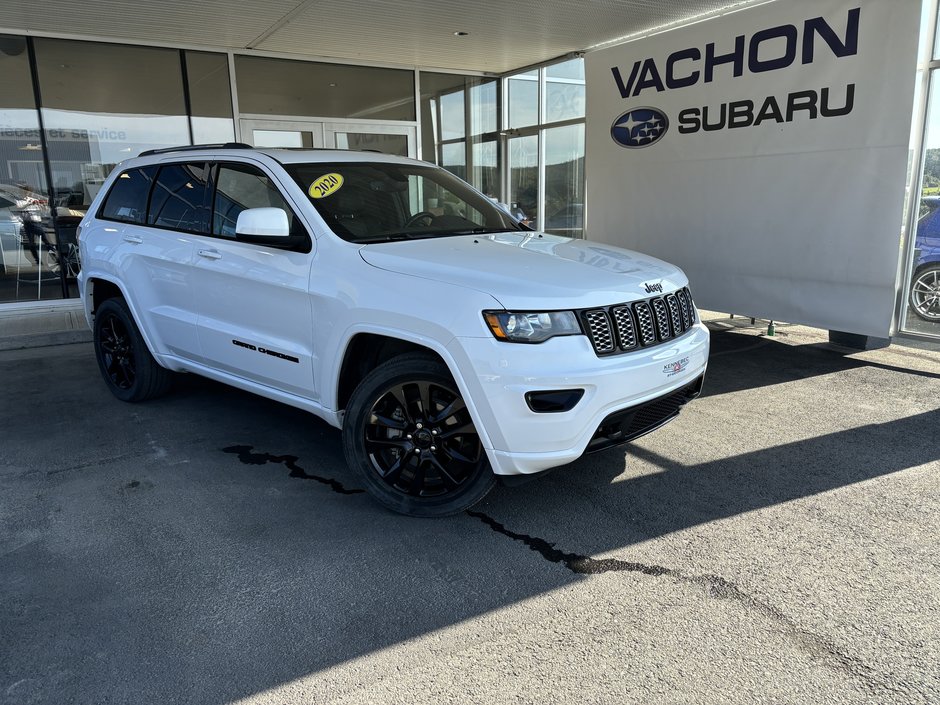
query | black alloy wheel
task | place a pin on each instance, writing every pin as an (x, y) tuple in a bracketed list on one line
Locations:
[(117, 352), (410, 433), (126, 364)]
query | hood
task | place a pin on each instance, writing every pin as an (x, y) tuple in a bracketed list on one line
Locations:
[(530, 271)]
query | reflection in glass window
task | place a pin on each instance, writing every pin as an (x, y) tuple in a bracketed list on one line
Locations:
[(564, 91), (179, 199), (523, 99), (451, 118), (454, 158), (524, 178), (127, 200), (483, 109), (485, 174), (210, 97), (564, 180), (241, 186), (284, 87), (102, 104), (922, 313), (441, 123), (32, 259)]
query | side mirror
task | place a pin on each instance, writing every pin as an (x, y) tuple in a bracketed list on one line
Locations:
[(262, 224)]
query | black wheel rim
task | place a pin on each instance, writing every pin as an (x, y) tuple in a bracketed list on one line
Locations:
[(117, 353), (925, 293), (421, 440)]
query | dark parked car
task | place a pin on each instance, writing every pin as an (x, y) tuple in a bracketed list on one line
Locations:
[(925, 281)]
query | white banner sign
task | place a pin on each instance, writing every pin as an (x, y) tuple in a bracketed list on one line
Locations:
[(766, 153)]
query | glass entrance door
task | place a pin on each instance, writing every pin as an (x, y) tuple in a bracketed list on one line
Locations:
[(277, 134), (389, 138)]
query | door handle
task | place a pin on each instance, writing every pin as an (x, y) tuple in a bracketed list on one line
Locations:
[(210, 254), (133, 239)]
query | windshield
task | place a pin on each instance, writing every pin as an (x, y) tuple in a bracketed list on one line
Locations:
[(374, 202)]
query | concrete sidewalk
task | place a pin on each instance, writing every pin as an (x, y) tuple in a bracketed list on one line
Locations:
[(41, 324)]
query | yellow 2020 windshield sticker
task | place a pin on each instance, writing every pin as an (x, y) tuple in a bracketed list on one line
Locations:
[(326, 185)]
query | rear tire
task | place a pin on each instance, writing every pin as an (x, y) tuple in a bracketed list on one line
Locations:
[(126, 364), (410, 435)]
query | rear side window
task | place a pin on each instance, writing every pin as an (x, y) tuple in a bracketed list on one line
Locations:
[(127, 199), (241, 186), (180, 198)]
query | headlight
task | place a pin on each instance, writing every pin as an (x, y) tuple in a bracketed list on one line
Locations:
[(531, 327)]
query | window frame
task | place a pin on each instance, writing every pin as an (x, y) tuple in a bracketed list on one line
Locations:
[(99, 214), (297, 242), (207, 165)]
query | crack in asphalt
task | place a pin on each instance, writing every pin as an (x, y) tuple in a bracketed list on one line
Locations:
[(718, 587), (246, 456)]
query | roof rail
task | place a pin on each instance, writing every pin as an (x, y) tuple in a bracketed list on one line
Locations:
[(193, 147)]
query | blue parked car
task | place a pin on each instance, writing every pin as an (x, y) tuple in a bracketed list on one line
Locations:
[(925, 282)]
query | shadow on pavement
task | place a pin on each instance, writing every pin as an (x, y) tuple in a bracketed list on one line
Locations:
[(224, 575)]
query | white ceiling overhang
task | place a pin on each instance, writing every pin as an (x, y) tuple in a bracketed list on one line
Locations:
[(502, 36)]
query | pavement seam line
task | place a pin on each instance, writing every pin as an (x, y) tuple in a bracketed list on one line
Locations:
[(719, 587)]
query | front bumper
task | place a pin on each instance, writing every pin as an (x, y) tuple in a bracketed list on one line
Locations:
[(520, 441)]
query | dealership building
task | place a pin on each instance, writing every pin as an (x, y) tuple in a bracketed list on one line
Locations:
[(785, 154)]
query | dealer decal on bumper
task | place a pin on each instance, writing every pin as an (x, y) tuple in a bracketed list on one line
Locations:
[(674, 368)]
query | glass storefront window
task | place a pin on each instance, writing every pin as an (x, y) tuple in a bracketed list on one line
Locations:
[(451, 118), (103, 103), (30, 261), (442, 111), (210, 97), (485, 171), (285, 87), (524, 178), (523, 99), (564, 180), (564, 91), (483, 108), (454, 158), (453, 108), (922, 310)]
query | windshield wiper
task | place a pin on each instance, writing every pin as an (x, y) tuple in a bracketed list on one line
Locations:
[(392, 237), (425, 234), (480, 231)]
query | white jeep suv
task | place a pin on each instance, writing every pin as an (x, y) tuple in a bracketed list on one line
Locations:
[(386, 296)]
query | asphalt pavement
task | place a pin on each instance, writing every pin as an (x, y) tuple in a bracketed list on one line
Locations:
[(777, 543)]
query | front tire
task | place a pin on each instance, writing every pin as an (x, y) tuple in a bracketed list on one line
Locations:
[(126, 364), (409, 433), (925, 293)]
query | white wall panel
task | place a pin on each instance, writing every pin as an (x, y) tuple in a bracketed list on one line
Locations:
[(791, 220)]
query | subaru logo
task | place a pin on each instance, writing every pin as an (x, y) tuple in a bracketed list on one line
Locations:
[(639, 127)]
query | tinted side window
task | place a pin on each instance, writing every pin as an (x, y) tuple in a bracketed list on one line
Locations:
[(241, 186), (127, 200), (180, 198)]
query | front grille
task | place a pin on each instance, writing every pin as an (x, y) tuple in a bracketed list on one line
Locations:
[(626, 330), (662, 319), (629, 424), (644, 319), (625, 327), (598, 326)]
